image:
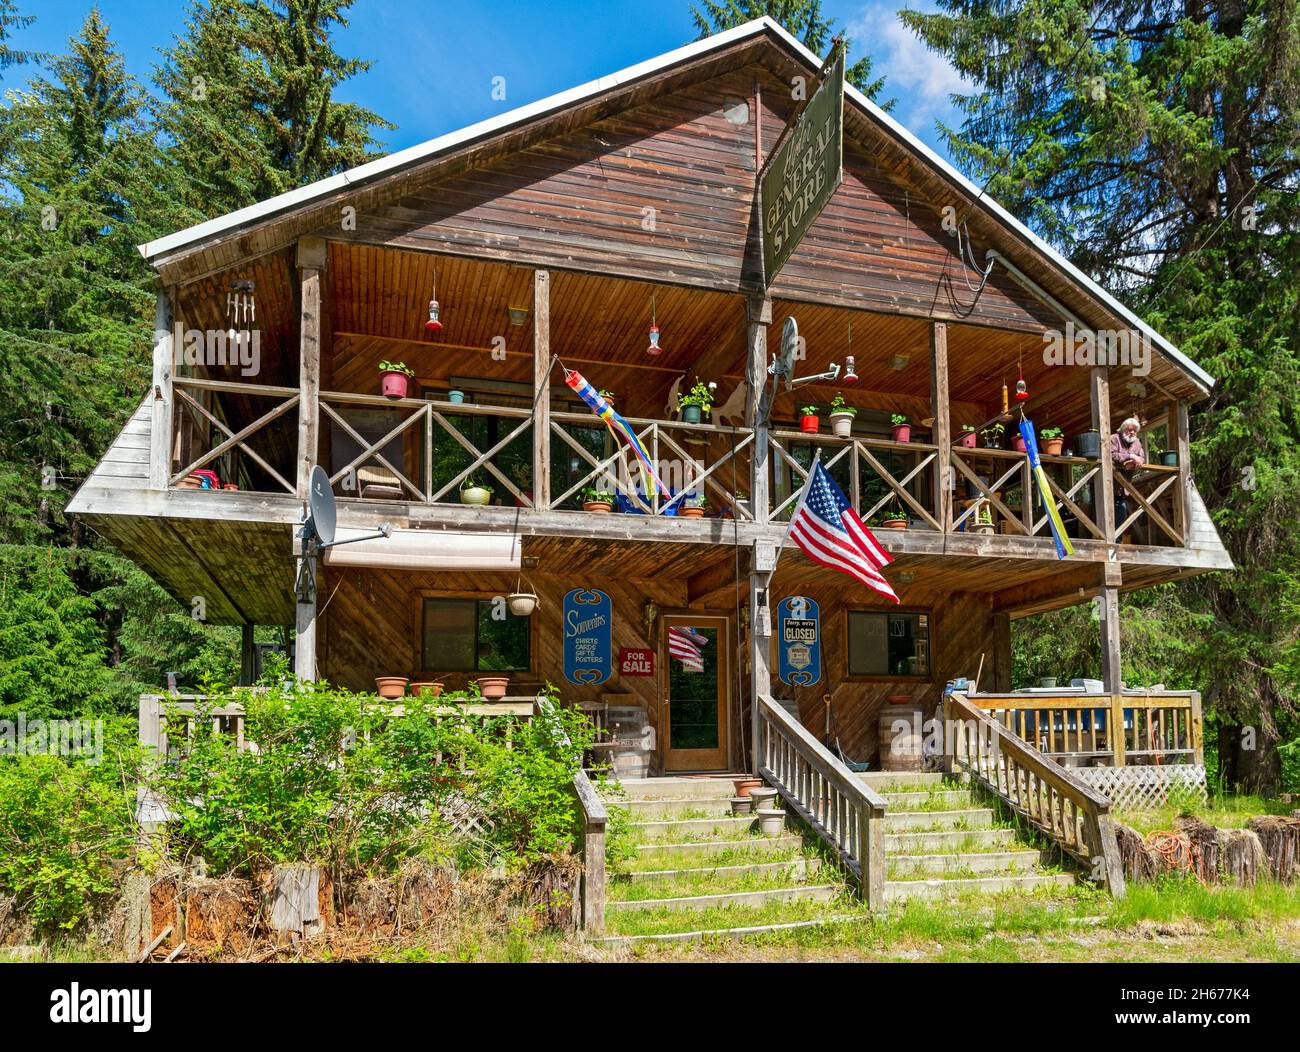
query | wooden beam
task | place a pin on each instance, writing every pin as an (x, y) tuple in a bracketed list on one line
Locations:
[(1002, 652), (1071, 586), (160, 441), (1099, 393), (759, 316), (247, 655), (705, 583), (941, 433), (1181, 431), (311, 264), (541, 389), (1111, 671)]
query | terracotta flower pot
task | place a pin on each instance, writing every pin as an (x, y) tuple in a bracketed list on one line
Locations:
[(1018, 443), (902, 432), (391, 687), (895, 524), (394, 385), (691, 513), (599, 507), (432, 688), (808, 425), (900, 699), (1053, 446), (493, 686), (744, 786)]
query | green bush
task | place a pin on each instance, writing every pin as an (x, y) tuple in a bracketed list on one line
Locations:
[(67, 827), (341, 781)]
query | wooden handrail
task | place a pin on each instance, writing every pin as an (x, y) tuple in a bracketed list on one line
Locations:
[(842, 809), (1073, 815)]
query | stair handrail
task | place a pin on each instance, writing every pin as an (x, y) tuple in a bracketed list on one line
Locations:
[(843, 810), (1034, 786)]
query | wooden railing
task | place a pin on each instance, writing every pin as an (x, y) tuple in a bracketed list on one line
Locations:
[(1009, 468), (684, 472), (843, 810), (1072, 815), (1161, 480), (1157, 726), (862, 457), (287, 399)]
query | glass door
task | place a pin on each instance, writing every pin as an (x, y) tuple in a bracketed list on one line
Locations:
[(696, 658)]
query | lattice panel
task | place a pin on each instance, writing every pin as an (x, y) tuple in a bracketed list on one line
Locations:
[(1147, 787)]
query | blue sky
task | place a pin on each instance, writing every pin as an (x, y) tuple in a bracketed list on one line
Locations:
[(434, 62)]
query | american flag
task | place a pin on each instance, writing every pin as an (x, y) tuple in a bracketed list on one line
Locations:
[(829, 531), (687, 646)]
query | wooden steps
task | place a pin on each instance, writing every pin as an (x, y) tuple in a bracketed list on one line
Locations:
[(699, 872)]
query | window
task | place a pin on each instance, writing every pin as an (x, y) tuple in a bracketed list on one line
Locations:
[(462, 635), (889, 644)]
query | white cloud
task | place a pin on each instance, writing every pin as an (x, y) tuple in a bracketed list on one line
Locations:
[(917, 77)]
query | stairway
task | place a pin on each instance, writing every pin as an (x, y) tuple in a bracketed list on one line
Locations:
[(698, 871)]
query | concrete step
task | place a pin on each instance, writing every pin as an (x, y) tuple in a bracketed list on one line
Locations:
[(677, 788), (952, 799), (643, 810), (902, 867), (804, 893), (739, 932), (970, 818), (700, 851), (910, 779), (797, 869), (973, 840), (899, 890)]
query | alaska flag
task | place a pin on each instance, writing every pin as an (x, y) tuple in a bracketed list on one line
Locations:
[(1063, 545)]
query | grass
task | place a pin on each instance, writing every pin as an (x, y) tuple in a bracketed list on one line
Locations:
[(716, 882), (725, 856), (1228, 811)]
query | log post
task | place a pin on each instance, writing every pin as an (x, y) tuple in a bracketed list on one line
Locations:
[(1180, 427), (941, 432), (311, 265), (760, 642), (164, 421), (247, 655), (1099, 394), (541, 389), (759, 317)]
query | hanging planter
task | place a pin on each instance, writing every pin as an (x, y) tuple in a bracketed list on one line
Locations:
[(522, 602), (473, 493), (808, 422), (693, 507), (395, 378)]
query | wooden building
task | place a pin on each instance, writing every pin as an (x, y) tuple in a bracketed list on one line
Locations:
[(551, 238)]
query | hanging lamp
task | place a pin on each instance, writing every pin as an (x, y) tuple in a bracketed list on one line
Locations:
[(434, 324), (654, 347), (850, 372)]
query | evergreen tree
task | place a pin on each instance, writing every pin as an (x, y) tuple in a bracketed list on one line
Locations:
[(10, 20), (803, 18), (1156, 143), (248, 107)]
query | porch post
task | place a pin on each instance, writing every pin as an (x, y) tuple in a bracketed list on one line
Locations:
[(1105, 503), (163, 423), (1180, 428), (541, 389), (304, 647), (759, 317), (247, 655), (1110, 652), (942, 429), (1002, 653), (311, 264), (760, 641)]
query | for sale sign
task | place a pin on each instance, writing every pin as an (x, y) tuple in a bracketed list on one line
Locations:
[(636, 661)]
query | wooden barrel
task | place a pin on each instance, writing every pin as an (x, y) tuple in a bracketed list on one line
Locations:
[(901, 748)]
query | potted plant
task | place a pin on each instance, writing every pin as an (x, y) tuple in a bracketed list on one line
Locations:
[(608, 395), (1169, 458), (391, 687), (394, 378), (984, 518), (842, 415), (493, 686), (1053, 440), (456, 397), (1047, 682), (430, 687), (1018, 443), (771, 821), (472, 492), (894, 519), (1088, 443), (693, 506), (901, 429), (967, 436), (992, 436), (598, 501), (698, 400), (741, 805), (808, 420), (745, 786), (522, 604)]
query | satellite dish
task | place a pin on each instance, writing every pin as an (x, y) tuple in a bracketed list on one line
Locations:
[(322, 518), (789, 349)]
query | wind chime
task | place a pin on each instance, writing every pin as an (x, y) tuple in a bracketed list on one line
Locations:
[(654, 347), (434, 324), (241, 308)]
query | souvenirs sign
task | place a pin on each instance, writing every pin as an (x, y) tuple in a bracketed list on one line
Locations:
[(588, 629), (799, 641), (803, 170)]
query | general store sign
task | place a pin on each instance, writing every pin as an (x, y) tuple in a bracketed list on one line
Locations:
[(798, 625), (803, 171), (588, 631)]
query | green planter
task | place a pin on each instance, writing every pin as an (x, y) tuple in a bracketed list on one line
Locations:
[(690, 414)]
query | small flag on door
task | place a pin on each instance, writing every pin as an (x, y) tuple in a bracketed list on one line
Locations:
[(687, 645)]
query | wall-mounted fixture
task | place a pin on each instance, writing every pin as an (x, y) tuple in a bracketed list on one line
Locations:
[(518, 315)]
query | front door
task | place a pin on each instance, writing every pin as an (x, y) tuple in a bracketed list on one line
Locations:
[(696, 660)]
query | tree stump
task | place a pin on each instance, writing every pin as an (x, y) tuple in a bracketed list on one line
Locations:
[(295, 902)]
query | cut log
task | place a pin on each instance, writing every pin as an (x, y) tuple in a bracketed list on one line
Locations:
[(1280, 839)]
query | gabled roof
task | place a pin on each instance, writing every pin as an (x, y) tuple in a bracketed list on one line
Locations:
[(394, 163)]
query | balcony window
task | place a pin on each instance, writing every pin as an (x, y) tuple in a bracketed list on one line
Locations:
[(889, 645), (473, 635)]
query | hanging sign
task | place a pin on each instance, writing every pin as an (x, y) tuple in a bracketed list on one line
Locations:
[(802, 172), (799, 641), (636, 661), (588, 629)]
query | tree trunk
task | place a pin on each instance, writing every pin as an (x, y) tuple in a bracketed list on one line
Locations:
[(1255, 770)]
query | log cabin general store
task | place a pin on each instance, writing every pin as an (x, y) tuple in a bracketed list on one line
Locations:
[(419, 328)]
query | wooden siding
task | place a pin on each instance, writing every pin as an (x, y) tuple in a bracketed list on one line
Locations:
[(125, 464)]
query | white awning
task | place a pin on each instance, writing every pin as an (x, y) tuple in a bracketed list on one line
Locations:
[(427, 550)]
